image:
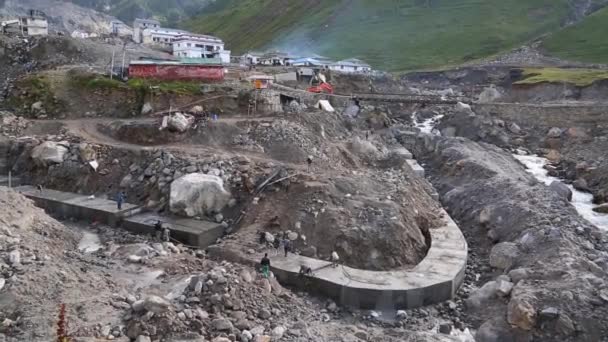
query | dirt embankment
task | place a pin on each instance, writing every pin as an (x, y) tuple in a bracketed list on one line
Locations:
[(549, 269), (117, 286), (572, 137)]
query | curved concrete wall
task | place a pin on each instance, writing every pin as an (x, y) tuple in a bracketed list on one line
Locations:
[(435, 279)]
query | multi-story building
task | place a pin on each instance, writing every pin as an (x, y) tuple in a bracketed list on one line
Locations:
[(351, 66), (34, 24), (139, 25), (200, 46)]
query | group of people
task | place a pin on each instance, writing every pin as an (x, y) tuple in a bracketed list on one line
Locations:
[(279, 243)]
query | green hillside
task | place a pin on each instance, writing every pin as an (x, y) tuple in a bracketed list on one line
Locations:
[(390, 34), (585, 42), (170, 12)]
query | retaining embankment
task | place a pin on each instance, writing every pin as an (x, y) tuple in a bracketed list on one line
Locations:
[(530, 115)]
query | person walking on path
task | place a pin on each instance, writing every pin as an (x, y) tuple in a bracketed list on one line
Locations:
[(265, 266), (335, 259), (309, 162), (120, 198), (286, 246), (277, 244), (158, 229)]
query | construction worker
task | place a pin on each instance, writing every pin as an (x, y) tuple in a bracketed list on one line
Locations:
[(120, 198), (265, 266), (305, 270), (277, 244), (158, 229), (335, 258), (166, 234), (309, 161), (286, 245)]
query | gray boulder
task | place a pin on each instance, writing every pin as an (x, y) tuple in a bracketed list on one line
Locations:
[(489, 94), (146, 108), (581, 185), (463, 108), (480, 297), (504, 255), (179, 122), (156, 304), (221, 324), (50, 152), (554, 133), (562, 190), (514, 128), (198, 194), (494, 330)]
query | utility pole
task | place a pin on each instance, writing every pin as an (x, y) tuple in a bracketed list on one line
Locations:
[(112, 66), (122, 68)]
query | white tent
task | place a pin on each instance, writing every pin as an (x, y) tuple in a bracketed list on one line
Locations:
[(325, 105)]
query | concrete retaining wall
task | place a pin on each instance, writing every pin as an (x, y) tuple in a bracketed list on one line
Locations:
[(69, 205), (65, 205), (434, 280), (190, 232)]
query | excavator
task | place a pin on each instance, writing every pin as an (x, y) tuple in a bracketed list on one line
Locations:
[(322, 87)]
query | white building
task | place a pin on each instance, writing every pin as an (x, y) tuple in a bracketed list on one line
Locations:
[(351, 66), (35, 24), (200, 46), (139, 25)]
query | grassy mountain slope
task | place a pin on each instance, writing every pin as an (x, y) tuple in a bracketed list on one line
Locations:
[(586, 41), (389, 34), (170, 12)]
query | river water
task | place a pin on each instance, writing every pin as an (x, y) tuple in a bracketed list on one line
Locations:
[(90, 242), (426, 126), (582, 201)]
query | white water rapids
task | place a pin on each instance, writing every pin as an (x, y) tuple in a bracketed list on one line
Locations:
[(90, 242), (582, 201), (427, 126)]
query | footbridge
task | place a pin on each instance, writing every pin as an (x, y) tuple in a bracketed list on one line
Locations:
[(372, 97)]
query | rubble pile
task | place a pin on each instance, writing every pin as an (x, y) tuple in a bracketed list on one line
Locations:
[(11, 125), (227, 301), (537, 244)]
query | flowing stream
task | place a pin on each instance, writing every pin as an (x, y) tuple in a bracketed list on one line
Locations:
[(90, 242), (582, 201), (427, 126)]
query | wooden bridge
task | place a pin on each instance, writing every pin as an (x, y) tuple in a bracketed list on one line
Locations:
[(372, 97)]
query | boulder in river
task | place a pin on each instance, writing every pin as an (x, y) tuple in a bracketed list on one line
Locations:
[(561, 189)]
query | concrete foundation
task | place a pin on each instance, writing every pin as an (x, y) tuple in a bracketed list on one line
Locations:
[(190, 232), (64, 205), (434, 280)]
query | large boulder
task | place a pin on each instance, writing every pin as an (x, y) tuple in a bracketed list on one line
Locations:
[(562, 190), (178, 122), (50, 152), (504, 255), (156, 304), (464, 108), (554, 133), (87, 152), (521, 313), (481, 297), (198, 194), (364, 149), (489, 94), (602, 209)]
